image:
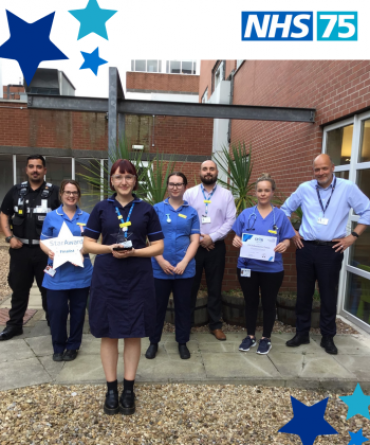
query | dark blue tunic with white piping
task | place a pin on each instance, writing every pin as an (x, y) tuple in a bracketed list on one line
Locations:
[(122, 298)]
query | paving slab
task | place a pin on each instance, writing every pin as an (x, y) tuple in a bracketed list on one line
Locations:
[(85, 369), (209, 338), (39, 329), (41, 346), (15, 350), (239, 365), (357, 365), (172, 347), (288, 365), (171, 368), (21, 373), (348, 344), (279, 346), (323, 367), (51, 367)]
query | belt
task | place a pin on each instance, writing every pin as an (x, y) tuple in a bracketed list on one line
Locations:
[(33, 242), (322, 243)]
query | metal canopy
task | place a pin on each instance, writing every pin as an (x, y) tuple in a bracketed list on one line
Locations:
[(180, 109), (117, 106)]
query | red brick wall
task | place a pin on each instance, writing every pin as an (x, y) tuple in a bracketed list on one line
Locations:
[(205, 80), (162, 82), (16, 89), (182, 135)]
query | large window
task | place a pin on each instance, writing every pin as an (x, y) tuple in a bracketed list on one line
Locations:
[(13, 172), (7, 176), (181, 67), (348, 144), (147, 66)]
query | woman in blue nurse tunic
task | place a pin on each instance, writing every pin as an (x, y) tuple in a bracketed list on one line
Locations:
[(122, 302), (257, 275), (174, 270), (68, 285)]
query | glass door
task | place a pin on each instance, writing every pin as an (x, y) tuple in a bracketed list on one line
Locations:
[(348, 144)]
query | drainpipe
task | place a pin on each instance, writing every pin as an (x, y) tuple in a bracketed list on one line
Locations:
[(232, 74)]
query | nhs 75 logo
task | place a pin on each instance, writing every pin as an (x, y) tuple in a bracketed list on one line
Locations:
[(293, 26)]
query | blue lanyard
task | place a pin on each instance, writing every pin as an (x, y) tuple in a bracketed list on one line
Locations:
[(328, 202), (207, 199), (122, 225)]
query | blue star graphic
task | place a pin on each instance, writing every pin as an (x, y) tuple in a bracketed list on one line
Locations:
[(29, 44), (308, 421), (92, 61), (357, 403), (92, 19), (357, 438)]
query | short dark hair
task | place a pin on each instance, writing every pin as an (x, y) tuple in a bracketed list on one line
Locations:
[(178, 174), (42, 159), (124, 166)]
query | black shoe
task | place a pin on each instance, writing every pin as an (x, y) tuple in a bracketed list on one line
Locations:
[(127, 402), (184, 352), (151, 351), (58, 357), (111, 405), (328, 344), (10, 332), (298, 340), (69, 355)]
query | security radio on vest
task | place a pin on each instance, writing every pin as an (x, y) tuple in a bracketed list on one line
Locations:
[(291, 26)]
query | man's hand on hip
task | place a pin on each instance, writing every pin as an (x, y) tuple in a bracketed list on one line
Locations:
[(297, 239), (343, 243)]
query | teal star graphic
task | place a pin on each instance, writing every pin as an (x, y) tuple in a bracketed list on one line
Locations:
[(357, 403), (357, 438), (92, 19)]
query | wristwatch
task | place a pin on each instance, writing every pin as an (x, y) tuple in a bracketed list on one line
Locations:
[(355, 234), (8, 238)]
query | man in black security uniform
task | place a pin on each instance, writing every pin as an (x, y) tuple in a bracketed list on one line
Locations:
[(24, 209)]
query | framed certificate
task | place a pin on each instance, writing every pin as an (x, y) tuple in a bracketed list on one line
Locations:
[(258, 247)]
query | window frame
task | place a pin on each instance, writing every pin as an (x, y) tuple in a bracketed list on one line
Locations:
[(353, 167)]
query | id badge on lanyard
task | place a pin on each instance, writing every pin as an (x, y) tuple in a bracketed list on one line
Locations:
[(205, 218), (321, 219)]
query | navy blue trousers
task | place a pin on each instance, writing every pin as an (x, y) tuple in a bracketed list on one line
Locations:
[(181, 289), (60, 304), (323, 264)]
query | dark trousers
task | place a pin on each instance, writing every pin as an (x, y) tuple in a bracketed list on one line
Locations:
[(213, 262), (60, 303), (26, 263), (181, 290), (323, 264), (269, 283)]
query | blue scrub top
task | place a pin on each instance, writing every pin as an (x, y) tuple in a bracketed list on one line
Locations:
[(184, 223), (67, 275), (251, 219)]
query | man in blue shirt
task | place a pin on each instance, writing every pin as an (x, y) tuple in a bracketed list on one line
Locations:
[(325, 202)]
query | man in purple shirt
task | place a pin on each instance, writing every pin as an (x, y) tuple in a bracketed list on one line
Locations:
[(217, 213)]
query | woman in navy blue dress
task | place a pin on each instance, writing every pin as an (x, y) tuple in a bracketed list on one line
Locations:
[(122, 301)]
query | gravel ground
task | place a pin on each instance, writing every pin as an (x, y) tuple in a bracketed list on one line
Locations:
[(4, 268), (166, 414)]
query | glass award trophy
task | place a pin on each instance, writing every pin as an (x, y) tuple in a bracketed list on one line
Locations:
[(122, 239)]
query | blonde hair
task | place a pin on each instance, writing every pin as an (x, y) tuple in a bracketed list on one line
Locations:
[(266, 177)]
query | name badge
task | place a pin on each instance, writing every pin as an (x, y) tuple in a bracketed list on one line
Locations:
[(322, 221), (126, 244), (182, 216), (50, 271), (206, 219), (245, 273)]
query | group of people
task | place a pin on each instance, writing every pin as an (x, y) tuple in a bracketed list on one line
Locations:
[(148, 252)]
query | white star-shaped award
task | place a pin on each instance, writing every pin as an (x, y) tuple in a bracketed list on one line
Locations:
[(66, 247)]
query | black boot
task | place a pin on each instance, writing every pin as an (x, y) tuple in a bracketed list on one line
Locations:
[(151, 352), (298, 340), (111, 405), (184, 351), (327, 343), (127, 402), (10, 332)]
